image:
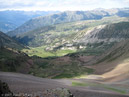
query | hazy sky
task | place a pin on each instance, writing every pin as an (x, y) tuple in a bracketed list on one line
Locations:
[(61, 5)]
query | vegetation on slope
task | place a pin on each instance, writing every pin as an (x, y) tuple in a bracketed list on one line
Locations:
[(6, 41), (59, 68), (102, 86), (118, 50), (14, 61)]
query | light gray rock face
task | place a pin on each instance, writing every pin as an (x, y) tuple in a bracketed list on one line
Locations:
[(106, 33)]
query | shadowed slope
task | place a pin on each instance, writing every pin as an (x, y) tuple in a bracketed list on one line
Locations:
[(113, 65), (6, 41)]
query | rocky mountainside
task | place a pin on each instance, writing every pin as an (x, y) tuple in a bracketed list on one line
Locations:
[(10, 19), (82, 31), (68, 16), (106, 33)]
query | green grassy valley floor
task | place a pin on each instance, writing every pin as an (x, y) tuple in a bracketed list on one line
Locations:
[(41, 52)]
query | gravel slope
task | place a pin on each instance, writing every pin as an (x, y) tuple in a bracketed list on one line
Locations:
[(20, 83)]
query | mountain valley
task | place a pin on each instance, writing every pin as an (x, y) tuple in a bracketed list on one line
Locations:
[(73, 53)]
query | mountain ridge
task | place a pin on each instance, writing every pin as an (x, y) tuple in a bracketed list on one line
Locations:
[(64, 17), (11, 19)]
